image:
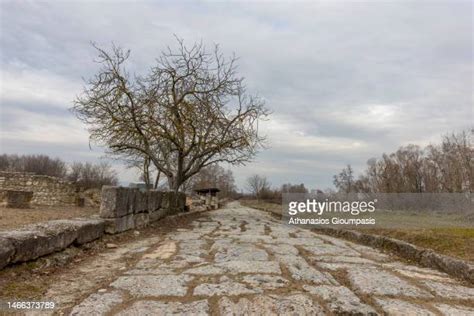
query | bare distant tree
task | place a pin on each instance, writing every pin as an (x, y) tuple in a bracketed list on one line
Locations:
[(344, 181), (189, 112), (38, 164), (257, 185), (444, 167), (88, 175), (213, 176)]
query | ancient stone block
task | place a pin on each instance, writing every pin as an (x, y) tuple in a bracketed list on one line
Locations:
[(197, 308), (141, 220), (18, 199), (295, 304), (35, 242), (141, 202), (97, 304), (154, 200), (156, 215), (117, 201), (6, 252), (89, 230), (159, 285), (341, 300), (224, 288), (119, 224)]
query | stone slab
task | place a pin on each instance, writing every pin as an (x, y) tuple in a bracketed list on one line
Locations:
[(153, 285), (196, 308), (340, 300), (97, 304), (400, 307), (378, 282), (6, 251), (224, 288), (295, 304)]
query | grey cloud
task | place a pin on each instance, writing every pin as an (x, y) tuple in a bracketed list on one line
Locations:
[(373, 74)]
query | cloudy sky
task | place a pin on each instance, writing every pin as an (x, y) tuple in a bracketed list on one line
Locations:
[(346, 80)]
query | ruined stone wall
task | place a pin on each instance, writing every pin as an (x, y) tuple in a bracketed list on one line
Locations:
[(129, 208), (46, 190)]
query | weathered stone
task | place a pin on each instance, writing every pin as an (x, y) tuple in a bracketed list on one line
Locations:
[(6, 251), (449, 310), (18, 199), (205, 270), (154, 200), (301, 270), (343, 259), (153, 285), (41, 239), (399, 307), (46, 190), (119, 224), (451, 290), (341, 300), (378, 282), (265, 281), (164, 251), (141, 220), (241, 252), (235, 267), (296, 304), (224, 288), (97, 304), (327, 249), (117, 201), (88, 230), (141, 202), (197, 308), (156, 215), (282, 249)]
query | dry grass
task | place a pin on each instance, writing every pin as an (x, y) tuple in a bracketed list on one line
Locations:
[(446, 234), (14, 217)]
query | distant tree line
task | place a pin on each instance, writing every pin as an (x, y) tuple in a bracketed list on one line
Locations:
[(86, 175), (260, 188), (446, 167)]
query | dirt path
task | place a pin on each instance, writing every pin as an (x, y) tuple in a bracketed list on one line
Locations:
[(242, 261)]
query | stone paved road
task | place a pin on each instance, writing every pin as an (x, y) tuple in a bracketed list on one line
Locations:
[(242, 261)]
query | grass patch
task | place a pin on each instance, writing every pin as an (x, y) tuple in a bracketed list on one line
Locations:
[(446, 234)]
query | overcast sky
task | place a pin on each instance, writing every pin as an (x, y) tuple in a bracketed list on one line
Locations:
[(346, 80)]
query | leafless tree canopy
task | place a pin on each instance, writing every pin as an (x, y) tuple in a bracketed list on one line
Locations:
[(447, 167), (190, 111), (39, 164), (258, 185), (213, 176), (88, 175)]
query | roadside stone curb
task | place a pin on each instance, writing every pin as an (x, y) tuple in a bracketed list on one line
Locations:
[(425, 257)]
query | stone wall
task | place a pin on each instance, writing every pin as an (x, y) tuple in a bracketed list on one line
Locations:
[(129, 208), (121, 209), (46, 190)]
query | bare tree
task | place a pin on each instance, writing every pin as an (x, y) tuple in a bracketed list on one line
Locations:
[(88, 175), (189, 112), (444, 167), (39, 164), (257, 185), (344, 181), (214, 176)]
